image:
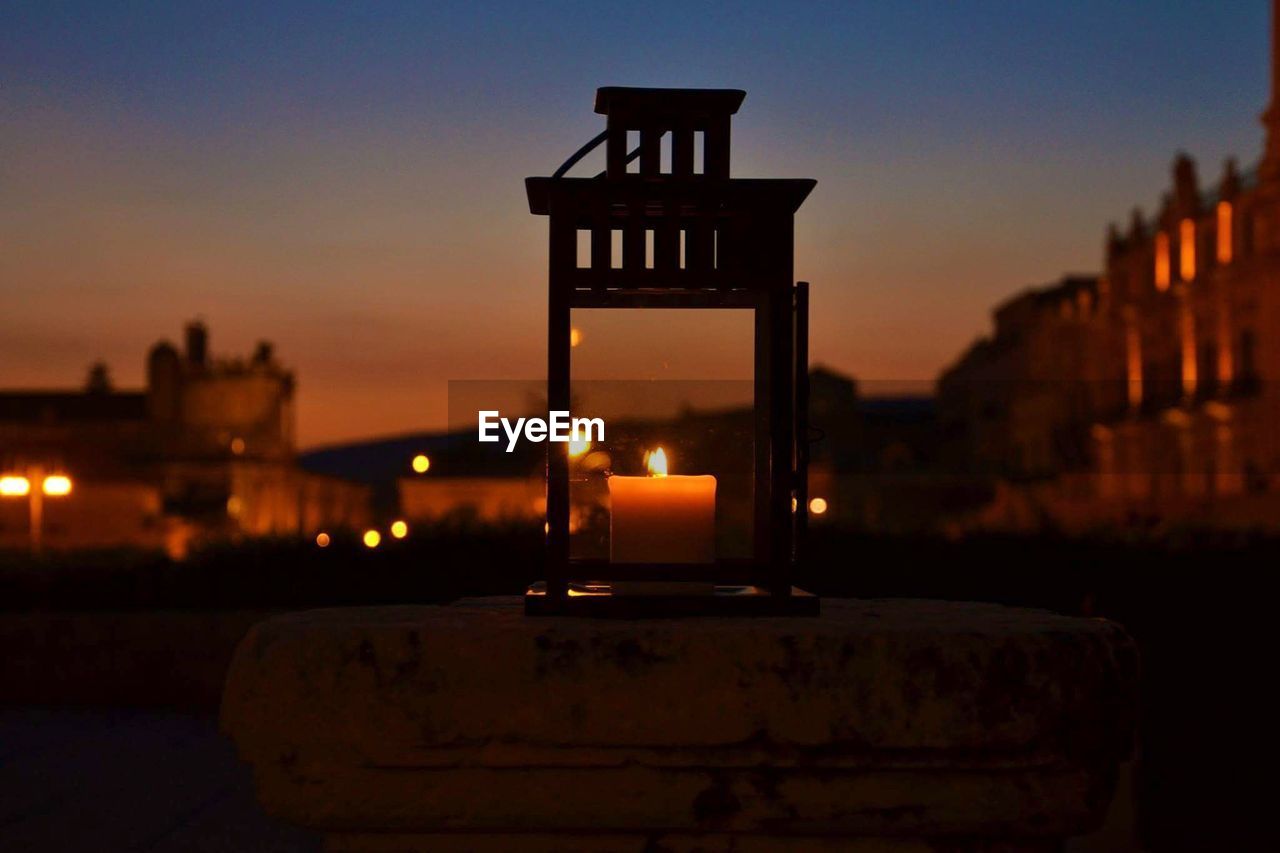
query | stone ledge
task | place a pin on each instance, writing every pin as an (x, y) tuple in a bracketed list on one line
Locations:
[(892, 719)]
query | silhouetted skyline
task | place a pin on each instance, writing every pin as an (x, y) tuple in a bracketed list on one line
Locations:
[(349, 183)]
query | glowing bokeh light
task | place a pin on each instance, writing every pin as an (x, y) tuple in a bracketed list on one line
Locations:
[(372, 539), (421, 463), (14, 487), (818, 506), (399, 529), (57, 485), (322, 539)]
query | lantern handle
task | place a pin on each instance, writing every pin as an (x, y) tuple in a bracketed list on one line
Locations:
[(587, 149), (579, 154)]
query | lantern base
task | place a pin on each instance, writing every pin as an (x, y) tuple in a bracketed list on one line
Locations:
[(600, 601)]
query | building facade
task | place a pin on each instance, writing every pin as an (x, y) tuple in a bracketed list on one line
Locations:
[(1149, 391), (206, 450)]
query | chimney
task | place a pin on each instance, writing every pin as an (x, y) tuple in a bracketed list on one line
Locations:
[(197, 343), (1186, 187)]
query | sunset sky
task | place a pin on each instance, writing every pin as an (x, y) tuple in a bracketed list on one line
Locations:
[(347, 180)]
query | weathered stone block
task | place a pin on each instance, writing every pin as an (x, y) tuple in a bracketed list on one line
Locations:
[(908, 725)]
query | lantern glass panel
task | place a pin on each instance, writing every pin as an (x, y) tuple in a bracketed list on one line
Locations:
[(675, 379)]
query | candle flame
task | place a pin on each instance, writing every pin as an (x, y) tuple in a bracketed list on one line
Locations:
[(656, 462)]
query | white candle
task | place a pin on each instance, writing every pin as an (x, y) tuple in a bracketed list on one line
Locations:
[(662, 519)]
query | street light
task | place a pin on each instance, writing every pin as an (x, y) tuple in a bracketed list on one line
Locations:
[(57, 485), (14, 486), (21, 485)]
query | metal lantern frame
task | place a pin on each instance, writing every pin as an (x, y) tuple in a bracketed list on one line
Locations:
[(738, 247)]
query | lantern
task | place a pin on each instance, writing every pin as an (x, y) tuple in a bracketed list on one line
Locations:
[(664, 233)]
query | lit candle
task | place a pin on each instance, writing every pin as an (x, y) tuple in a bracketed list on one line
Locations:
[(660, 518)]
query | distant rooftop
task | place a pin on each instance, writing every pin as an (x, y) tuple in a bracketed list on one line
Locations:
[(68, 406)]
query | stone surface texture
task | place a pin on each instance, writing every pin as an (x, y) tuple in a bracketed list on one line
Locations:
[(893, 725)]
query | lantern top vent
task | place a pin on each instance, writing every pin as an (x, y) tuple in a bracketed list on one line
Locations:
[(692, 122)]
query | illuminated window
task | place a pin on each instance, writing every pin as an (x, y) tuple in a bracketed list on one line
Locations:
[(1187, 249), (1224, 232), (1226, 366), (1190, 369), (1133, 356), (1162, 261)]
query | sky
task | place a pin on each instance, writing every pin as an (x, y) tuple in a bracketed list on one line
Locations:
[(346, 179)]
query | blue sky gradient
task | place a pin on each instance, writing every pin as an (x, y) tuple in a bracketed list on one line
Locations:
[(346, 178)]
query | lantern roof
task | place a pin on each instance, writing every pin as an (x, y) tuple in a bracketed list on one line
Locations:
[(739, 195), (659, 104)]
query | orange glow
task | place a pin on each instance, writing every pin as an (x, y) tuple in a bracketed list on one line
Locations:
[(818, 506), (57, 485), (399, 529), (1225, 242), (578, 446), (372, 539), (237, 445), (1187, 252), (1190, 370), (421, 463), (656, 462), (1162, 261), (13, 486), (1226, 363), (575, 337), (1133, 357), (322, 539)]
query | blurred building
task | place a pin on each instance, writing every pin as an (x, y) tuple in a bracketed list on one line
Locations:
[(874, 465), (206, 450), (1149, 392), (1024, 398)]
